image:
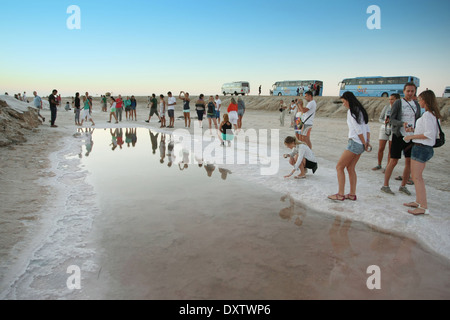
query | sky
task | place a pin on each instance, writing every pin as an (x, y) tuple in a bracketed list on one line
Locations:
[(142, 47)]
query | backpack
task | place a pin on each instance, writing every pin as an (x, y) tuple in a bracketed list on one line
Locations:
[(441, 140)]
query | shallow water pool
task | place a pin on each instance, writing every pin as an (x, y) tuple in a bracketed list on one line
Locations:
[(174, 226)]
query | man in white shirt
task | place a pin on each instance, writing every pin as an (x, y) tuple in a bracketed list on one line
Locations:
[(171, 103), (309, 113), (218, 106), (404, 114)]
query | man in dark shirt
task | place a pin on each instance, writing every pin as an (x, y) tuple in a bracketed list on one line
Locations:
[(53, 107)]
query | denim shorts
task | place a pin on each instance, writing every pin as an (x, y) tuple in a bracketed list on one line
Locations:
[(422, 153), (355, 147)]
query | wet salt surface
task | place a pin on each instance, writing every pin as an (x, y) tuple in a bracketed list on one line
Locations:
[(190, 232), (139, 229)]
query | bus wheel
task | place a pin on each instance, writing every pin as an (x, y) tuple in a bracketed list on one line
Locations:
[(385, 95), (279, 94)]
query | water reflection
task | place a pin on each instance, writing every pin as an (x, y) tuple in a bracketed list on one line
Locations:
[(296, 211), (171, 153)]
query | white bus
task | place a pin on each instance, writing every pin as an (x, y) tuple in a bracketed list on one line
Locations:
[(236, 88)]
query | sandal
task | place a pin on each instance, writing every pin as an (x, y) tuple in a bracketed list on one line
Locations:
[(351, 197), (414, 205), (300, 177), (399, 178), (377, 168), (337, 197), (423, 211)]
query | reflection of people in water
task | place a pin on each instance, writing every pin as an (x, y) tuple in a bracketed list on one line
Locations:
[(133, 134), (119, 135), (114, 140), (344, 267), (170, 154), (224, 173), (89, 141), (162, 148), (185, 163), (294, 210), (154, 140), (209, 167), (127, 137), (199, 159)]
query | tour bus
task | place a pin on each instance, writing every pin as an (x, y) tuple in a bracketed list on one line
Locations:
[(236, 88), (376, 86), (290, 88), (446, 92)]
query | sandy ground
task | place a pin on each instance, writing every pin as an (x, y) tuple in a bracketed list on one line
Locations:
[(26, 166)]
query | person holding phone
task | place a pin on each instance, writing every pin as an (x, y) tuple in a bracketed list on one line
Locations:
[(386, 131)]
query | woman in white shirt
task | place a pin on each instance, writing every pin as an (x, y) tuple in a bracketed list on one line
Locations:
[(424, 139), (359, 138)]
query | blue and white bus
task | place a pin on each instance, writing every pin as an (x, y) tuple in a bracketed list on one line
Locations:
[(289, 88), (376, 86)]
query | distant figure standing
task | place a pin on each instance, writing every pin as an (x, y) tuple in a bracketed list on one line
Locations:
[(211, 113), (293, 112), (171, 103), (112, 110), (133, 107), (298, 91), (104, 104), (127, 106), (241, 111), (119, 108), (77, 108), (308, 118), (184, 96), (359, 137), (37, 102), (259, 90), (298, 120), (24, 97), (162, 110), (385, 131), (52, 99), (87, 107), (233, 113), (282, 109), (301, 91), (218, 106), (153, 108), (200, 107)]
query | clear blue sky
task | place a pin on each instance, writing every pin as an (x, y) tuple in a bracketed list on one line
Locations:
[(142, 47)]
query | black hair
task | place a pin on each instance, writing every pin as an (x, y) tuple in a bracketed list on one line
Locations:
[(153, 95), (396, 96), (309, 92), (77, 95), (356, 108)]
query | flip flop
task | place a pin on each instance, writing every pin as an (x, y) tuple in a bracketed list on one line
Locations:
[(414, 205), (300, 177), (337, 197), (399, 178)]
